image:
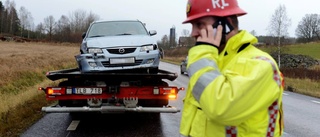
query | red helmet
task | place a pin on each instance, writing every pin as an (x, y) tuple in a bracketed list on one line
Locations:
[(221, 8)]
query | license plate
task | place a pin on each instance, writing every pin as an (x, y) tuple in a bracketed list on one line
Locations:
[(121, 60), (87, 91)]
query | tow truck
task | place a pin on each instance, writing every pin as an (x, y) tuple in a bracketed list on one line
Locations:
[(111, 92)]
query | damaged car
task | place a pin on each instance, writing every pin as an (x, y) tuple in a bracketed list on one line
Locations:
[(119, 45)]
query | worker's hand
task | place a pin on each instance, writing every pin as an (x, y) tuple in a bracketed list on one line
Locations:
[(211, 35)]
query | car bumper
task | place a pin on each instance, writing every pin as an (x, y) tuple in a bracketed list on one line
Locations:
[(94, 63)]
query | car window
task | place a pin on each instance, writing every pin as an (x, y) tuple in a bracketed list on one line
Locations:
[(114, 28)]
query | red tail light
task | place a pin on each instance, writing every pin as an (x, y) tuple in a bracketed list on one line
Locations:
[(56, 91), (170, 92)]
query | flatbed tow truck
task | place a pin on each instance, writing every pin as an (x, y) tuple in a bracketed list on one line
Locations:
[(111, 92)]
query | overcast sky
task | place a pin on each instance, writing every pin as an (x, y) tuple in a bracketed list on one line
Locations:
[(161, 15)]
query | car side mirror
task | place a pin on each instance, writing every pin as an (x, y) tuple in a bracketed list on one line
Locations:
[(152, 32), (83, 35)]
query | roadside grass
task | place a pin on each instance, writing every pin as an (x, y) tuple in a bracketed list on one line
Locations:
[(173, 60), (303, 86), (301, 80), (310, 49), (22, 110), (23, 68)]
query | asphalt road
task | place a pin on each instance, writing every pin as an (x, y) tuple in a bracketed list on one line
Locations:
[(301, 115)]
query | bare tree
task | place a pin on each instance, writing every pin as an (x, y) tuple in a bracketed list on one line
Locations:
[(90, 18), (185, 33), (186, 39), (49, 25), (63, 29), (309, 27), (279, 25), (253, 32), (26, 20), (12, 19), (77, 21), (2, 15), (164, 43), (40, 30), (30, 26)]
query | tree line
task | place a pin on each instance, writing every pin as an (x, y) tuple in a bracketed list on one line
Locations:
[(20, 22)]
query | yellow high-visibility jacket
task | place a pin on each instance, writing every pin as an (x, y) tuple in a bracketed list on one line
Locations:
[(237, 93)]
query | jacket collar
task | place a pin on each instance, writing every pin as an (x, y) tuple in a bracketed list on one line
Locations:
[(236, 41)]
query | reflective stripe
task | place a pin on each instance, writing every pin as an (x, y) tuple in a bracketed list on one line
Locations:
[(194, 67), (276, 75), (231, 131), (273, 113), (204, 80)]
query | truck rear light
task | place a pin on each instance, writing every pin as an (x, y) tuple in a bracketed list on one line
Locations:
[(56, 91), (171, 92), (172, 96)]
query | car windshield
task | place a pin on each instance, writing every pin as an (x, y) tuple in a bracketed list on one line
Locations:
[(116, 28)]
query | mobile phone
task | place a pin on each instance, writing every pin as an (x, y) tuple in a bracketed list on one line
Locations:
[(227, 28)]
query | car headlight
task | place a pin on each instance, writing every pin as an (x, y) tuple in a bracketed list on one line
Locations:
[(95, 50), (147, 48)]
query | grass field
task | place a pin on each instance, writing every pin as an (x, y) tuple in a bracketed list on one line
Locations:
[(23, 67), (310, 49)]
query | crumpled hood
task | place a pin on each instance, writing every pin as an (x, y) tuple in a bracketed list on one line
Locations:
[(124, 40)]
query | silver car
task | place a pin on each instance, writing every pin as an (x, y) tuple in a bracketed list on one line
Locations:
[(118, 45), (183, 66)]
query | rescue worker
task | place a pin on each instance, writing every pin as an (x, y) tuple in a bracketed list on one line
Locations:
[(235, 89)]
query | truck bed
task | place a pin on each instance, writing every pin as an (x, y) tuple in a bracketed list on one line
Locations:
[(75, 73)]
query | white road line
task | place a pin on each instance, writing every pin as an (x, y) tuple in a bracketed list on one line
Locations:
[(73, 125), (315, 101), (285, 134), (285, 94)]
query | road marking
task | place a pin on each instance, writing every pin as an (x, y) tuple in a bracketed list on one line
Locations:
[(285, 134), (73, 125), (315, 101), (285, 94)]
